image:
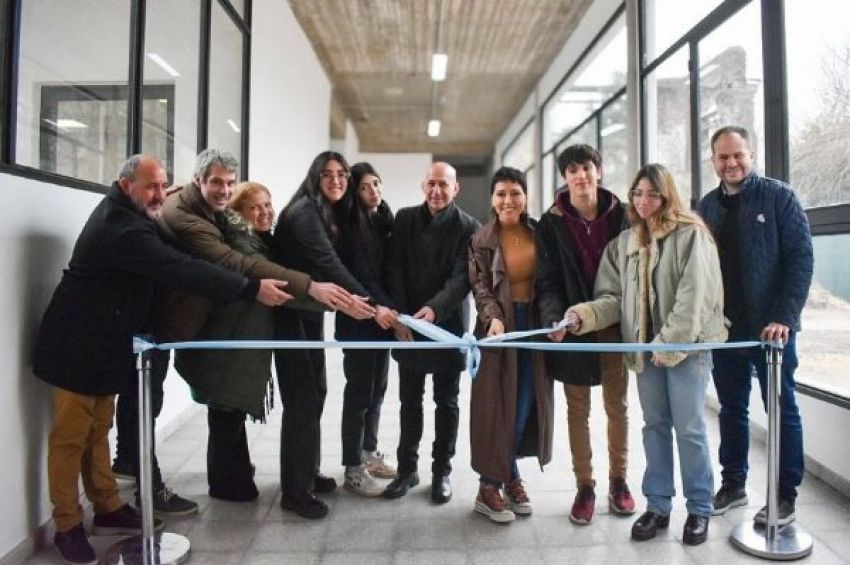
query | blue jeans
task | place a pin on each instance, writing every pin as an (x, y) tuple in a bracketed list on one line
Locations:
[(733, 370), (524, 385), (673, 398)]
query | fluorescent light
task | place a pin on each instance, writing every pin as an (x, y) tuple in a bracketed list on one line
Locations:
[(65, 123), (164, 64), (433, 128), (613, 128), (233, 125), (439, 63)]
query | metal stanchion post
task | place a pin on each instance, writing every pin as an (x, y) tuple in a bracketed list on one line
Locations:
[(149, 548), (772, 541)]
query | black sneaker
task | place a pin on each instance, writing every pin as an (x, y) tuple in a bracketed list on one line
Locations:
[(123, 470), (168, 503), (786, 514), (124, 521), (729, 497), (322, 484), (73, 546)]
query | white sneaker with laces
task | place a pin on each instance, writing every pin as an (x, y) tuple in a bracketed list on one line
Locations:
[(378, 465), (359, 481)]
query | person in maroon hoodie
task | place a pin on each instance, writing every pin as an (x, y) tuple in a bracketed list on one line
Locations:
[(571, 238)]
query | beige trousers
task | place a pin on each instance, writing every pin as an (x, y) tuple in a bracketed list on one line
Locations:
[(78, 445), (615, 384)]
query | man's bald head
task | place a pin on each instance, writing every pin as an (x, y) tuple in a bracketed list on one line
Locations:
[(440, 186)]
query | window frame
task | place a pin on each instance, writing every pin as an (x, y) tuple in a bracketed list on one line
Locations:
[(10, 33)]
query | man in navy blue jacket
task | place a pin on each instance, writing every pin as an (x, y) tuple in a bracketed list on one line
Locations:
[(766, 259), (84, 344)]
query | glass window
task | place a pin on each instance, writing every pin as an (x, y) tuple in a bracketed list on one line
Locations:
[(824, 343), (668, 117), (72, 88), (731, 85), (600, 75), (549, 182), (668, 20), (818, 55), (533, 198), (585, 134), (614, 152), (520, 154), (225, 110), (170, 121)]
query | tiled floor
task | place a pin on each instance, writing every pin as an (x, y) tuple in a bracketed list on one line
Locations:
[(413, 531)]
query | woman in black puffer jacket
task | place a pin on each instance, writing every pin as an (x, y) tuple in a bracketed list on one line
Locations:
[(363, 250)]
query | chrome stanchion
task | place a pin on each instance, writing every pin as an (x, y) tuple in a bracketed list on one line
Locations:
[(772, 541), (150, 548)]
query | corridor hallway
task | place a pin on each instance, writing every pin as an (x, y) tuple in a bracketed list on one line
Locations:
[(414, 531)]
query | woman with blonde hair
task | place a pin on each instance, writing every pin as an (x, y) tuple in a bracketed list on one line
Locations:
[(661, 281)]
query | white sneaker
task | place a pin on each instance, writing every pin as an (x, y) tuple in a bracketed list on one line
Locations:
[(378, 465), (359, 481)]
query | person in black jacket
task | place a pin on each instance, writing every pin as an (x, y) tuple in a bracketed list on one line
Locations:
[(84, 344), (364, 249), (306, 237), (571, 239), (427, 277)]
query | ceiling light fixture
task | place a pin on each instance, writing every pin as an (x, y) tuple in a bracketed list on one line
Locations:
[(440, 59), (439, 63), (433, 128), (163, 64)]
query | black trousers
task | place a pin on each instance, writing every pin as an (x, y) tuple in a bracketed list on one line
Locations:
[(127, 419), (229, 472), (365, 385), (446, 417), (303, 387)]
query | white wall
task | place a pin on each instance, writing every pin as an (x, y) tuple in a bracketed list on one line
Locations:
[(38, 238), (290, 101), (401, 173)]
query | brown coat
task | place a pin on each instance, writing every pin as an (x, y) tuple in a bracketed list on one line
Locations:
[(494, 390), (191, 226)]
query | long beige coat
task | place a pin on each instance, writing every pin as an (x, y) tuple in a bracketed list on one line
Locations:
[(493, 406)]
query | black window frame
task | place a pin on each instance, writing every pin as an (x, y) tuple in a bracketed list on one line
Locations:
[(10, 33), (594, 116)]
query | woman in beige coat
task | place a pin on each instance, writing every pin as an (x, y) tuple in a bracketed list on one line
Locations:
[(661, 281), (511, 412)]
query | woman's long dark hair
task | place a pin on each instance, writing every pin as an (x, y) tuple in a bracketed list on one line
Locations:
[(311, 189), (365, 223)]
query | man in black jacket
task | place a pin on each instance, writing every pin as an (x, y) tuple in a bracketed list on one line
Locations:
[(84, 345), (427, 276)]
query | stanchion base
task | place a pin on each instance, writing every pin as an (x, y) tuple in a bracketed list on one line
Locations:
[(789, 543), (171, 549)]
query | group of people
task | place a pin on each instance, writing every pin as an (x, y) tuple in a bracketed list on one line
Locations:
[(207, 261)]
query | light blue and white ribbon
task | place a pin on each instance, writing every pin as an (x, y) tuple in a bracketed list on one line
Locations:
[(443, 339)]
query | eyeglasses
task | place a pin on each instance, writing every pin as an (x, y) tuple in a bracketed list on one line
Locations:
[(652, 194), (339, 175)]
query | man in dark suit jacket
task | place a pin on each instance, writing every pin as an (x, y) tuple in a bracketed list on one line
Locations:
[(84, 345), (427, 277)]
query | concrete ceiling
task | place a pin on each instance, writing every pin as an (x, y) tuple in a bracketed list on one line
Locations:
[(377, 54)]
